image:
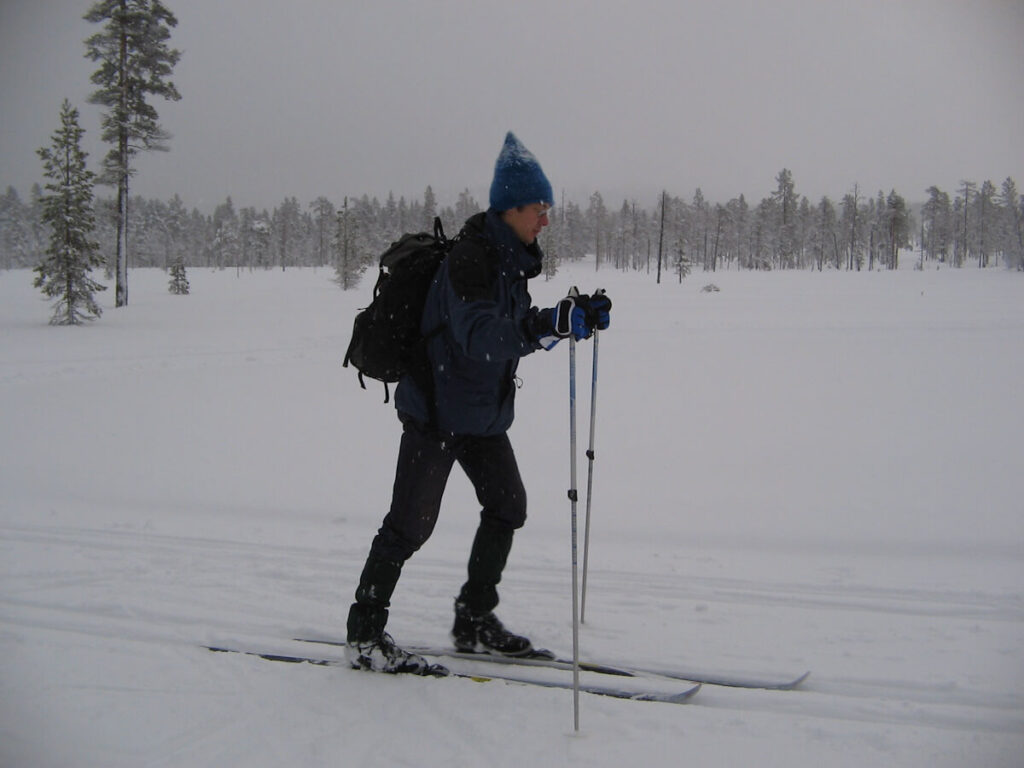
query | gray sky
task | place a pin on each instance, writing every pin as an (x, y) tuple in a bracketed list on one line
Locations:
[(337, 97)]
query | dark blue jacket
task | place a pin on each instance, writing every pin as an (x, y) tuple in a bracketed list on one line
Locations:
[(480, 303)]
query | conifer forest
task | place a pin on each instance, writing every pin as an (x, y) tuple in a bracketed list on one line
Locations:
[(974, 225)]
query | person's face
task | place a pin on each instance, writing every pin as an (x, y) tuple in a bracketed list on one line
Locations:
[(527, 221)]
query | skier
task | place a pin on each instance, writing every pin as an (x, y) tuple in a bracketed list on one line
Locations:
[(480, 300)]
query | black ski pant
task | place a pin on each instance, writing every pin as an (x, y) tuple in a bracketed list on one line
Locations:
[(425, 461)]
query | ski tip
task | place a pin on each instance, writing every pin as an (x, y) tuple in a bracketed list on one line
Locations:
[(771, 685), (798, 681), (669, 698), (686, 695)]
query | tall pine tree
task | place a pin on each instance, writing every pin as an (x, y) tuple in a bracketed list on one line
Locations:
[(135, 63), (67, 209), (1012, 230)]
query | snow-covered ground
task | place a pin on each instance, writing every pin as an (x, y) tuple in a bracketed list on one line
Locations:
[(801, 471)]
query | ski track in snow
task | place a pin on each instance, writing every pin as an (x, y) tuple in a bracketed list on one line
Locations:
[(150, 611)]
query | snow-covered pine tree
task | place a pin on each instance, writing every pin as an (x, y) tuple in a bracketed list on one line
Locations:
[(179, 280), (15, 229), (287, 223), (786, 200), (986, 216), (898, 228), (1012, 229), (682, 263), (67, 208), (937, 225), (135, 63), (551, 239), (323, 214), (852, 223), (227, 239), (429, 210), (349, 263)]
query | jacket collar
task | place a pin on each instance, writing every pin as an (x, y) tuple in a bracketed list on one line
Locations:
[(516, 257)]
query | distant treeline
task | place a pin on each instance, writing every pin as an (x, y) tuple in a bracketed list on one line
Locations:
[(972, 225)]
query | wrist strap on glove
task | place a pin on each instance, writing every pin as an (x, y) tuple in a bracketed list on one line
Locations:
[(563, 317)]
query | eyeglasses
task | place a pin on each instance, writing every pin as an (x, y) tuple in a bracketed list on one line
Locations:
[(544, 211)]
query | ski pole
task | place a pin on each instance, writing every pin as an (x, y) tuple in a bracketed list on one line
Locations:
[(590, 480), (572, 499)]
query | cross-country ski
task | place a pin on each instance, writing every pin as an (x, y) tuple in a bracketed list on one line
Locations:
[(771, 681), (640, 692)]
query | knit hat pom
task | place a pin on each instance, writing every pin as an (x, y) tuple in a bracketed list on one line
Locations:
[(518, 178)]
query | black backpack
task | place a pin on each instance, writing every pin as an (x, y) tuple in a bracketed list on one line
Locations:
[(386, 338)]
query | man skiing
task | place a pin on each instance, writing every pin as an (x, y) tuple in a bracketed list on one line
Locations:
[(479, 300)]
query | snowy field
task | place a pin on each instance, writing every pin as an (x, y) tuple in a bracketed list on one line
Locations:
[(801, 471)]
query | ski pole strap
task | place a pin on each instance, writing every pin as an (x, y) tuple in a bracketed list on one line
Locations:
[(563, 317)]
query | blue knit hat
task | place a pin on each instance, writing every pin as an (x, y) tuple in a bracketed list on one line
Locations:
[(518, 178)]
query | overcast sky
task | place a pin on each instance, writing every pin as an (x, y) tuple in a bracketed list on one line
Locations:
[(338, 97)]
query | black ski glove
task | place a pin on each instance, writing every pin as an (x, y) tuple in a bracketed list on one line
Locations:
[(597, 311), (549, 326)]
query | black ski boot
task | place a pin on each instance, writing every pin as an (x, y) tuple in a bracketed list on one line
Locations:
[(367, 645), (484, 633), (382, 655), (476, 628)]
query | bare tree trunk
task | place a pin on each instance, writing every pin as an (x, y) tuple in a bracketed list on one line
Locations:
[(121, 290), (661, 235)]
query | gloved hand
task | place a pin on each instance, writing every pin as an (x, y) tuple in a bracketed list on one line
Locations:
[(566, 318), (570, 316), (597, 310)]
